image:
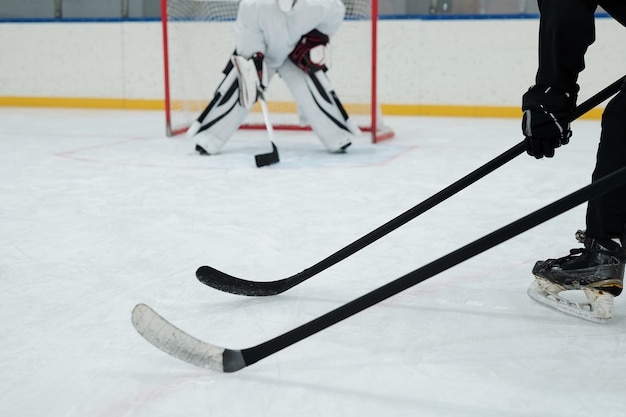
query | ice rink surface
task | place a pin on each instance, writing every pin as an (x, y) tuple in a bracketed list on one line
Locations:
[(100, 211)]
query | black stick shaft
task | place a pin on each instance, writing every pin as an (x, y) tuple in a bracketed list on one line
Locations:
[(444, 194), (224, 282), (602, 186)]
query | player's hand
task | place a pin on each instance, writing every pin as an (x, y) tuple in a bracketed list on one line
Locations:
[(546, 120)]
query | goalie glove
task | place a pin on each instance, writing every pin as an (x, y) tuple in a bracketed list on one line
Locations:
[(310, 52), (252, 77), (545, 123)]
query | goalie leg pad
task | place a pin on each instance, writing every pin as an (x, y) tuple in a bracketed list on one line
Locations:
[(320, 106), (222, 117)]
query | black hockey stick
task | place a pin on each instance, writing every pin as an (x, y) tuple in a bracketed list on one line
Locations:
[(228, 283), (165, 336)]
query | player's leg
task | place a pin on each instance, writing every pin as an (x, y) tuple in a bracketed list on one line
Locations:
[(598, 267), (320, 106), (222, 117), (606, 215)]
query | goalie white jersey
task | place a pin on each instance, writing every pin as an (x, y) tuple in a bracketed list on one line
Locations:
[(262, 27)]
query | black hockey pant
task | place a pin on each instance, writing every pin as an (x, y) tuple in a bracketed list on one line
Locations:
[(606, 215)]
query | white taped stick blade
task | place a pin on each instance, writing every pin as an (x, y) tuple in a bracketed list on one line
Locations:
[(597, 307), (175, 342)]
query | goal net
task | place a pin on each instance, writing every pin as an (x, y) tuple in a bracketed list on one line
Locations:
[(198, 40)]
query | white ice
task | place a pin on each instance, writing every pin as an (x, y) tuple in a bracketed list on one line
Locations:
[(100, 211)]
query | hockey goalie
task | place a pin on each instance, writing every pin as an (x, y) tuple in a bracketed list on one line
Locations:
[(288, 38)]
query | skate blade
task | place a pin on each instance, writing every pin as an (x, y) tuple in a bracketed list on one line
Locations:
[(598, 307)]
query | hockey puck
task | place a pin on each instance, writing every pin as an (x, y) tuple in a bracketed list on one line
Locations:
[(265, 159)]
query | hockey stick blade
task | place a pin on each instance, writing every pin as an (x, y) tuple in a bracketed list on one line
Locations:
[(234, 285), (165, 336), (173, 341), (266, 159), (227, 283)]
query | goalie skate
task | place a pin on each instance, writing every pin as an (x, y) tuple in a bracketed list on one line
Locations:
[(597, 308)]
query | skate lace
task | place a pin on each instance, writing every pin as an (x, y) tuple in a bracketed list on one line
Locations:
[(573, 253), (587, 251), (582, 252)]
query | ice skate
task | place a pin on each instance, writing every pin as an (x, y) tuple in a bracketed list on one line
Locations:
[(597, 270)]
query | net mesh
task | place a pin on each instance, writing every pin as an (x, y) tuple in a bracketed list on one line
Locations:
[(199, 40)]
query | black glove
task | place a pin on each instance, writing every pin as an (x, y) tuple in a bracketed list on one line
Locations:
[(546, 123), (301, 53)]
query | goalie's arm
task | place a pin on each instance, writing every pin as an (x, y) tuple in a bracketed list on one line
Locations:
[(249, 37), (333, 18), (311, 53)]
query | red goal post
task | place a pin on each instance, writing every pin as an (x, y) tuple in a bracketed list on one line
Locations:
[(198, 39)]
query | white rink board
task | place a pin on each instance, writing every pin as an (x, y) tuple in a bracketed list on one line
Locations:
[(429, 62)]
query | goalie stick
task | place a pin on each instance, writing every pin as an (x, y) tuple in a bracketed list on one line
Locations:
[(177, 343), (231, 284), (265, 159), (252, 79)]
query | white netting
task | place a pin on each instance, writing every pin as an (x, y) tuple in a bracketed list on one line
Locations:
[(200, 40)]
